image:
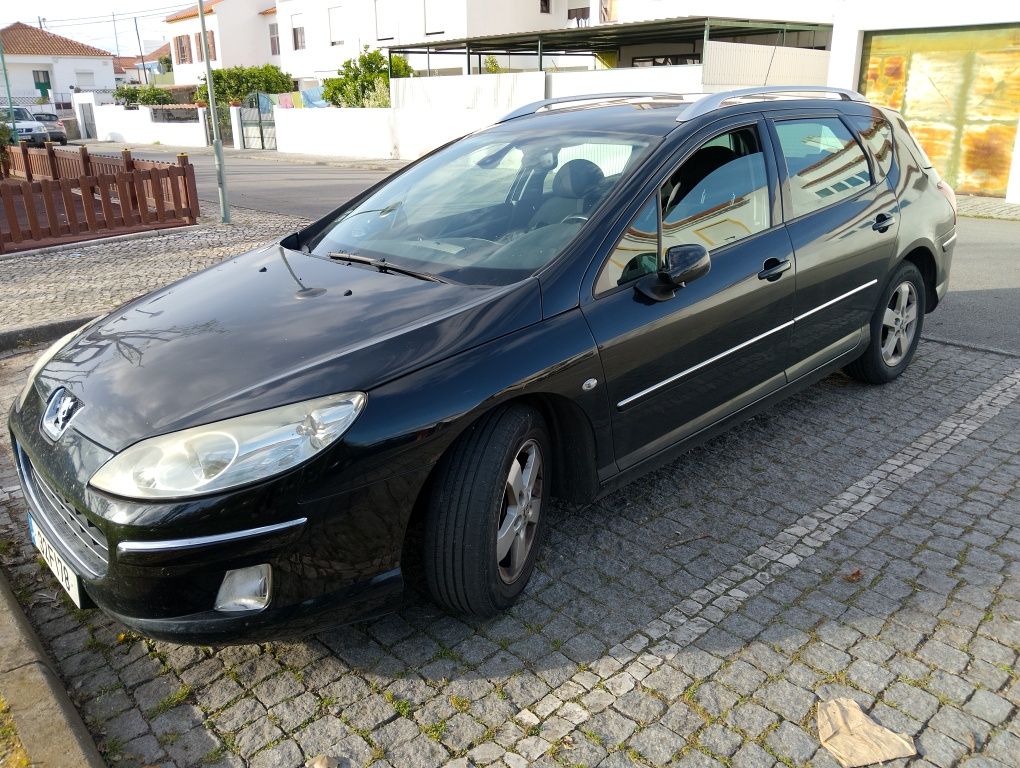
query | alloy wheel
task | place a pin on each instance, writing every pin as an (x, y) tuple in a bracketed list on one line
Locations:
[(518, 521), (899, 324)]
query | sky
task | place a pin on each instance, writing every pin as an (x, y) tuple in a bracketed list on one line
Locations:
[(90, 22)]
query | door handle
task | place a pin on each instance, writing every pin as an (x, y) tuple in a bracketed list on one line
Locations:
[(773, 269), (883, 222)]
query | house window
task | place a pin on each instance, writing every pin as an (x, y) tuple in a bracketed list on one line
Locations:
[(385, 26), (182, 47), (336, 25), (85, 79), (579, 16), (543, 6), (435, 17), (211, 40), (41, 77), (274, 39), (297, 23)]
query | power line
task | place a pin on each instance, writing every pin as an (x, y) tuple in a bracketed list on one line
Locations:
[(123, 14)]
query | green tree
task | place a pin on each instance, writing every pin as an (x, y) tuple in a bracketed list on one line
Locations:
[(166, 64), (365, 81), (491, 65), (126, 93), (151, 94), (236, 83)]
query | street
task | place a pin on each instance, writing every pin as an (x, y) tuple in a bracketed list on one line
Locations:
[(299, 188)]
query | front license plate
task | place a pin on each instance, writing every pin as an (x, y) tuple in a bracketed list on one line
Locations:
[(68, 579)]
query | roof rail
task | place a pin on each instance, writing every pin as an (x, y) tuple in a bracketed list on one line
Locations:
[(545, 104), (714, 101)]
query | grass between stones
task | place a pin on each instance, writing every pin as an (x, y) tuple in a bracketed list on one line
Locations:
[(12, 754)]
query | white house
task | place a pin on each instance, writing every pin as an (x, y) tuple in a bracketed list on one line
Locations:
[(41, 64), (239, 34), (140, 69)]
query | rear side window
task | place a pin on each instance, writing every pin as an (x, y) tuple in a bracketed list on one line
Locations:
[(876, 133), (824, 162), (911, 143)]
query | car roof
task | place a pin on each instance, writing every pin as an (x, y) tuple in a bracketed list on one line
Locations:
[(660, 113)]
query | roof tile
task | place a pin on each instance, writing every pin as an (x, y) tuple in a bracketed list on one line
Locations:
[(23, 39)]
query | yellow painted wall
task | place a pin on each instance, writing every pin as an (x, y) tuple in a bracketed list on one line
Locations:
[(959, 91)]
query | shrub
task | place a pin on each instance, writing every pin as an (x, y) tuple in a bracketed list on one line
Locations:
[(365, 81), (237, 83)]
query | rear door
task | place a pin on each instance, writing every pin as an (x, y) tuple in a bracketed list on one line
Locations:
[(842, 218), (675, 366)]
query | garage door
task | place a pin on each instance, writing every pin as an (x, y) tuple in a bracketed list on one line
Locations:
[(959, 90)]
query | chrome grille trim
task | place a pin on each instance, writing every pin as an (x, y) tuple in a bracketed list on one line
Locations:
[(76, 535)]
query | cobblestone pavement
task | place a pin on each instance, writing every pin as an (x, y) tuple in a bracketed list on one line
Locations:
[(852, 541), (90, 279)]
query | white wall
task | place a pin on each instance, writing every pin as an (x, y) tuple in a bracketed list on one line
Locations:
[(115, 123), (736, 65), (194, 73), (374, 133), (683, 79), (65, 71), (492, 92)]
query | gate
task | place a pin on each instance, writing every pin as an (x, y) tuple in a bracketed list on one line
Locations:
[(88, 128), (258, 129)]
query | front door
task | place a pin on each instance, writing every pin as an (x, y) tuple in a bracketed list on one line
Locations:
[(842, 219), (675, 366)]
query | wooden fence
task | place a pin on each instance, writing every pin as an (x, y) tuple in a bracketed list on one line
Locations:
[(69, 195)]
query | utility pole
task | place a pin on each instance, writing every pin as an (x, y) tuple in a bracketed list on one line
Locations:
[(116, 40), (221, 180), (141, 53), (40, 21)]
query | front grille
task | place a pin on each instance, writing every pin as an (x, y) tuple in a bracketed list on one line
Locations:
[(85, 541)]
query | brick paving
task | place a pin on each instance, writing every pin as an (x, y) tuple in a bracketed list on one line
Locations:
[(852, 541)]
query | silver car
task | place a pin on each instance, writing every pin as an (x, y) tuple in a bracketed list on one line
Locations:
[(54, 126)]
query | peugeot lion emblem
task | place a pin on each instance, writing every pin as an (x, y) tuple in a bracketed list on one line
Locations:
[(61, 408)]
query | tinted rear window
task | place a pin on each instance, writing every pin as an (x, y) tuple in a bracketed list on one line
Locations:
[(920, 156)]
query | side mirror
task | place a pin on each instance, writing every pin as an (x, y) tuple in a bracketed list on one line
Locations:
[(684, 263)]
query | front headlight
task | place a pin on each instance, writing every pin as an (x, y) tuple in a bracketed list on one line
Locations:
[(226, 454), (44, 358)]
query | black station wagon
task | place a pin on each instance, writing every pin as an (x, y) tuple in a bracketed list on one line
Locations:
[(547, 307)]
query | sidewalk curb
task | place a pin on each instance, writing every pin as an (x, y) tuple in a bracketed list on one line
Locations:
[(99, 241), (50, 728), (32, 335)]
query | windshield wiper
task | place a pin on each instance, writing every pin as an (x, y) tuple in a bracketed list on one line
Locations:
[(384, 266)]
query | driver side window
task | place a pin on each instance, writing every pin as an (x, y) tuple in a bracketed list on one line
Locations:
[(717, 196)]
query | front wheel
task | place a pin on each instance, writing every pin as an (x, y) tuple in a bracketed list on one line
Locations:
[(486, 512), (895, 328)]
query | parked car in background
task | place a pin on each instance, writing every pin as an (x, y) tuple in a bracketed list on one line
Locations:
[(54, 126), (551, 306), (27, 127)]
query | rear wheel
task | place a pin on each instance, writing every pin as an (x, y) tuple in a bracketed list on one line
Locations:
[(485, 519), (895, 328)]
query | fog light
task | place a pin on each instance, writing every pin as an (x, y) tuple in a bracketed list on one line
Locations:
[(246, 589)]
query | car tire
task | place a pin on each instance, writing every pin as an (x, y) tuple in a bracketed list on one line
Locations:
[(471, 520), (63, 142), (895, 328)]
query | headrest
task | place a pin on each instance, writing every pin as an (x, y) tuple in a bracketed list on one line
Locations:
[(576, 178)]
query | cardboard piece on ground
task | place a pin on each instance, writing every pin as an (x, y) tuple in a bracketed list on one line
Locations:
[(854, 739)]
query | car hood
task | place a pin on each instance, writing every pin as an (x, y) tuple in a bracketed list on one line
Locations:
[(265, 329)]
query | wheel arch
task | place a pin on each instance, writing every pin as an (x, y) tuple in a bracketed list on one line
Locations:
[(922, 256)]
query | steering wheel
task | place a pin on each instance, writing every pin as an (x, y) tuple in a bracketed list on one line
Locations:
[(580, 217)]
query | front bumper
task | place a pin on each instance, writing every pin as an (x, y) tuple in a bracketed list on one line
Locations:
[(158, 568), (35, 139)]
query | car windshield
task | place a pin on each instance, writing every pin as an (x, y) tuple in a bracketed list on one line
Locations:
[(490, 209), (20, 113)]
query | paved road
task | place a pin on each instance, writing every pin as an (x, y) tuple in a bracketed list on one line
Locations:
[(296, 188), (984, 292)]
